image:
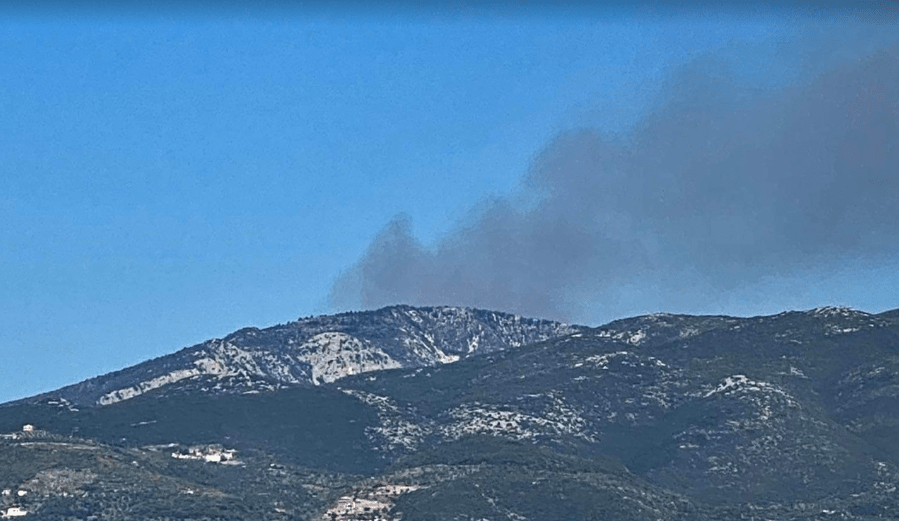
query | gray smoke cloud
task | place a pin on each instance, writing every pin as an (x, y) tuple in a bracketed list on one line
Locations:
[(719, 187)]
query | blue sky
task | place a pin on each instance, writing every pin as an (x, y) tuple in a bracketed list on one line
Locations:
[(168, 179)]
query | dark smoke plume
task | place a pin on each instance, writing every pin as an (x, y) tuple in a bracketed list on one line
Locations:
[(719, 187)]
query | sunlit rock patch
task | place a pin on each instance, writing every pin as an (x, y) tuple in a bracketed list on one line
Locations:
[(335, 355), (515, 422), (397, 431)]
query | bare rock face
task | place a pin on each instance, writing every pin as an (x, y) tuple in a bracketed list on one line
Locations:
[(318, 350)]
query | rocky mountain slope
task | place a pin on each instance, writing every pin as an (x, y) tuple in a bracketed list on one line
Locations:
[(661, 417), (317, 350)]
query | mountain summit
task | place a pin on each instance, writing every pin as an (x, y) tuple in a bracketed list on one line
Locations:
[(317, 350)]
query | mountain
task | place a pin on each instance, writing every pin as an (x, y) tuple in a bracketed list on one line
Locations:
[(793, 416), (318, 350)]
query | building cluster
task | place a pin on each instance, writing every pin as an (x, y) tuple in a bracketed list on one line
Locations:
[(369, 505), (9, 511), (208, 453)]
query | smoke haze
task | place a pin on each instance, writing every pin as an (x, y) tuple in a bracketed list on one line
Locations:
[(719, 187)]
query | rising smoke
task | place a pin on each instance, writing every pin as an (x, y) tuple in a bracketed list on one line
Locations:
[(719, 187)]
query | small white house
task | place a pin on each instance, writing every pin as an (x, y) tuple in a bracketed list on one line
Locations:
[(15, 512), (28, 428)]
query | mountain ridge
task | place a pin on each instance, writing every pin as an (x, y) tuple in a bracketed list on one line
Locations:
[(315, 350), (793, 416)]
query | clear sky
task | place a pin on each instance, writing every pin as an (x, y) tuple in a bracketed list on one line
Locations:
[(169, 177)]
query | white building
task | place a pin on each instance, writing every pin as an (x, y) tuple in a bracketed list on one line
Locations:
[(28, 428), (215, 457)]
